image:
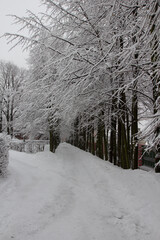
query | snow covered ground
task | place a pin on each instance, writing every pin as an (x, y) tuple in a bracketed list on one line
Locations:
[(72, 195)]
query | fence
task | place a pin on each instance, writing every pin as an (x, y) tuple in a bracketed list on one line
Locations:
[(29, 146)]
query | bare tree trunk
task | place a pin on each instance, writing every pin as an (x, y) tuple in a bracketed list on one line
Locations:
[(0, 114), (99, 142), (11, 118), (134, 128), (112, 144), (123, 144), (124, 153), (8, 117), (93, 141), (51, 140), (105, 144), (134, 125), (76, 132)]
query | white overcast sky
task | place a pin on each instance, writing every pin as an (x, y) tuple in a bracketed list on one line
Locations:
[(17, 7)]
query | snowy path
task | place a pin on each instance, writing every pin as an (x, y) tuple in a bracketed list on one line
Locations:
[(72, 195)]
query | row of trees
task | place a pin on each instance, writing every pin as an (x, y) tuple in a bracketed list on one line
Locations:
[(94, 73)]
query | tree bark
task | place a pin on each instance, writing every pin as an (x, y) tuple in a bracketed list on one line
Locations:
[(0, 115)]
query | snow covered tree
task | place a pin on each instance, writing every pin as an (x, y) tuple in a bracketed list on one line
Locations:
[(152, 131), (11, 79), (90, 72), (155, 60)]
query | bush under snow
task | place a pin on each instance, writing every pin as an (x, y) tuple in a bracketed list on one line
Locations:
[(157, 167), (4, 157)]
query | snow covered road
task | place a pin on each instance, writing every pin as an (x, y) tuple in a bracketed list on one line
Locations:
[(72, 195)]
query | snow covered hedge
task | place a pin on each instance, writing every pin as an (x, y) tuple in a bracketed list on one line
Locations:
[(4, 156)]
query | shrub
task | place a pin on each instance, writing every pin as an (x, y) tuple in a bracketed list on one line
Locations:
[(4, 156)]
